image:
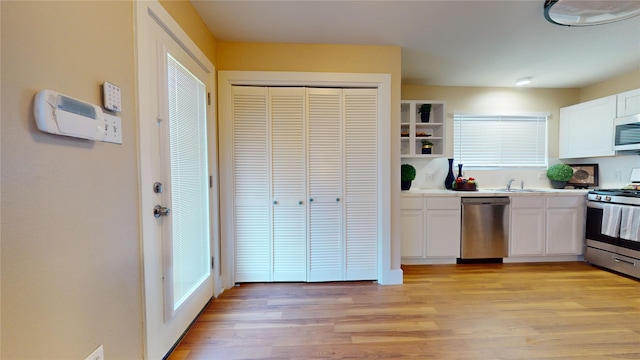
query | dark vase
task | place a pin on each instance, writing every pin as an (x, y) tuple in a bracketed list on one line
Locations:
[(405, 185), (424, 117), (448, 182), (557, 184), (459, 170), (426, 150)]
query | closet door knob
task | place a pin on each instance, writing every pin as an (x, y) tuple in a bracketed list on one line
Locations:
[(337, 199)]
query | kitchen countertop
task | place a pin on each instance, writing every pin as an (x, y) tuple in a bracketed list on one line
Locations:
[(495, 192)]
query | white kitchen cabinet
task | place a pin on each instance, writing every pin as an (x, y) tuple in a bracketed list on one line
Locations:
[(305, 190), (430, 229), (628, 103), (412, 223), (586, 129), (413, 131), (443, 227), (527, 230), (565, 225)]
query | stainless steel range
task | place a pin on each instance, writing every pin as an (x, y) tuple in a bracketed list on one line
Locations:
[(612, 226)]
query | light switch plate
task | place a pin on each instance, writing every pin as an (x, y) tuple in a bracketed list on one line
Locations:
[(112, 130), (112, 97)]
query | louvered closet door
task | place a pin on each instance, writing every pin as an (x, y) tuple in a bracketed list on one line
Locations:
[(251, 169), (361, 186), (288, 162), (326, 244)]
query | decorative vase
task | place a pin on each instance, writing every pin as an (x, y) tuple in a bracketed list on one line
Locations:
[(426, 149), (405, 185), (424, 117), (459, 170), (557, 184), (448, 182)]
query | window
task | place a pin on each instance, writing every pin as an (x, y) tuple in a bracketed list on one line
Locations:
[(500, 141)]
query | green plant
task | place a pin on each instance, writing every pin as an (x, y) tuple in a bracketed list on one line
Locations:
[(426, 142), (424, 108), (560, 172), (407, 173)]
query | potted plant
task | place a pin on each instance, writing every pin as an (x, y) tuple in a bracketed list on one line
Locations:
[(426, 146), (407, 175), (425, 111), (559, 174)]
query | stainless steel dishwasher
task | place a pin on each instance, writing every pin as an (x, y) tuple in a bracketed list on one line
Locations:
[(485, 228)]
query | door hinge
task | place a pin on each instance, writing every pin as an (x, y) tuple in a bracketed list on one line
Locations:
[(213, 262), (208, 98), (210, 181)]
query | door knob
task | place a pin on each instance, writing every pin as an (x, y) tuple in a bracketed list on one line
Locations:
[(160, 211)]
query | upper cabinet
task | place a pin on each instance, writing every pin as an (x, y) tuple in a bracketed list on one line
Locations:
[(416, 130), (629, 103), (586, 129)]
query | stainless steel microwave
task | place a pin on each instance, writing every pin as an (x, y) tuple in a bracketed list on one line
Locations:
[(626, 132)]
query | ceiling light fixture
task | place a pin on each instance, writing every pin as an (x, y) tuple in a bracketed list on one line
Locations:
[(523, 81), (589, 12)]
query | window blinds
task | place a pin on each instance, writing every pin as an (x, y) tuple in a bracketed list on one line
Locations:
[(500, 140)]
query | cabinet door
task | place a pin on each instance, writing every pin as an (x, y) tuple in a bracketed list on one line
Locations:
[(527, 232), (563, 232), (288, 184), (443, 233), (412, 223), (326, 240), (629, 103), (251, 191), (586, 129), (361, 183)]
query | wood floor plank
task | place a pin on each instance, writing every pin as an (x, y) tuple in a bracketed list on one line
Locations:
[(486, 311)]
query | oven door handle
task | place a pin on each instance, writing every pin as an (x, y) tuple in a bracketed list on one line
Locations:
[(595, 205), (617, 259)]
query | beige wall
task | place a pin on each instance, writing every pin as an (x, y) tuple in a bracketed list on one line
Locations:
[(71, 260), (612, 86), (187, 17), (487, 100), (330, 58)]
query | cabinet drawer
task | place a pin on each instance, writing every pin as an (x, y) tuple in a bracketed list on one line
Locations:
[(443, 203), (527, 202), (411, 203), (565, 201)]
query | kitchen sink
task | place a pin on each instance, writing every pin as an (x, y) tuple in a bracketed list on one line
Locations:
[(517, 190)]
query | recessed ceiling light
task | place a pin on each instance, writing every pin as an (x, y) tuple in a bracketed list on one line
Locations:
[(589, 12), (523, 81)]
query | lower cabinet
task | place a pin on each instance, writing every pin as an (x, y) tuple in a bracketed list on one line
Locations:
[(542, 228), (527, 230), (546, 226), (565, 225), (443, 227), (430, 229)]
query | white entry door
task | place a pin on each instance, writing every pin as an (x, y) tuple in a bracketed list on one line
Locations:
[(178, 190)]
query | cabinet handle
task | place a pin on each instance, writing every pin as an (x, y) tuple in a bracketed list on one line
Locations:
[(337, 199), (310, 199), (300, 202), (275, 202)]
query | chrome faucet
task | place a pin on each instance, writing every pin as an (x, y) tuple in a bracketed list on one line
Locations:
[(509, 184)]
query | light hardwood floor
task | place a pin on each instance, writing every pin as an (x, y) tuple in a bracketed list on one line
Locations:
[(490, 311)]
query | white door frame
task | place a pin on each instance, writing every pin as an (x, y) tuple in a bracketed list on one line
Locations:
[(147, 15), (227, 79)]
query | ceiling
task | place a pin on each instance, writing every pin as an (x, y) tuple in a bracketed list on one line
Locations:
[(449, 43)]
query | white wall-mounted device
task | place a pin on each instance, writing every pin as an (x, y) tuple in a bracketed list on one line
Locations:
[(63, 115)]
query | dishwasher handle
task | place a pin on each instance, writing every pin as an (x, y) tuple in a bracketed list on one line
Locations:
[(493, 200)]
